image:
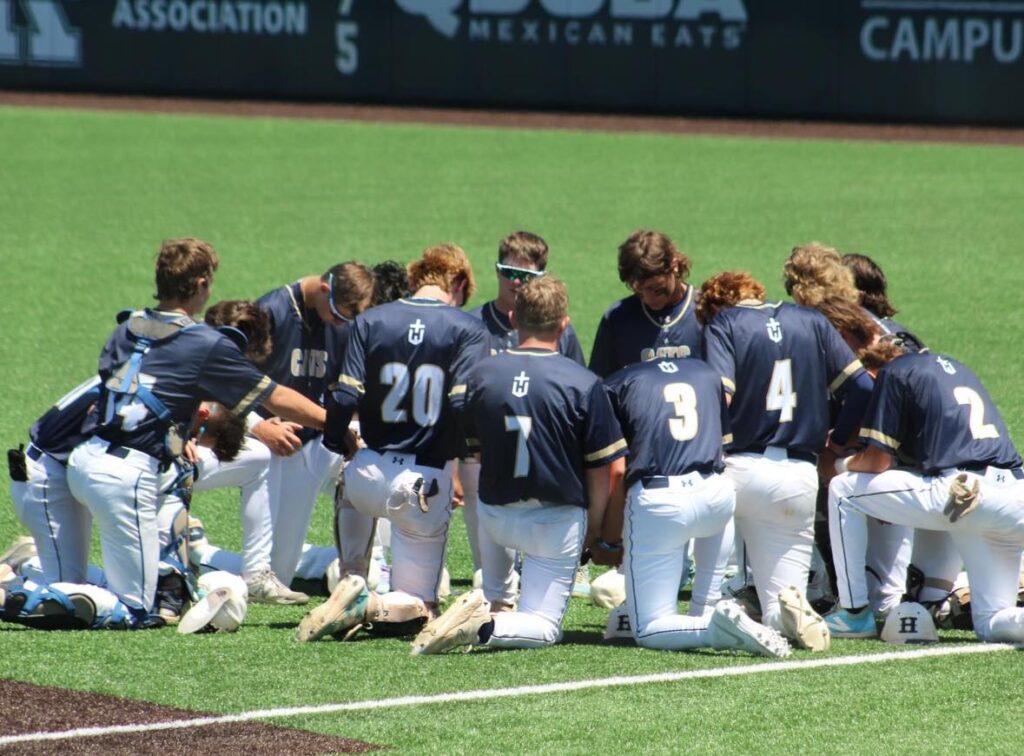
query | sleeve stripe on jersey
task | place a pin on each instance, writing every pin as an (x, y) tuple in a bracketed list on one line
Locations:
[(849, 370), (729, 385), (606, 451), (348, 380), (727, 438), (249, 399), (880, 437), (457, 390)]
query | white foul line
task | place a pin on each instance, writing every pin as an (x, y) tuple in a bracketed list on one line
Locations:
[(528, 690)]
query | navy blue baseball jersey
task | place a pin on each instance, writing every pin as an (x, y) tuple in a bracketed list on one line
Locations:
[(180, 371), (780, 362), (60, 429), (935, 410), (539, 419), (629, 332), (403, 360), (887, 325), (673, 415), (503, 336)]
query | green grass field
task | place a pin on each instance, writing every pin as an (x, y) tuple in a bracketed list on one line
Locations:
[(86, 198)]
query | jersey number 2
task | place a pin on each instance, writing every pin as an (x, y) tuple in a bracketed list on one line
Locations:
[(427, 388), (976, 419)]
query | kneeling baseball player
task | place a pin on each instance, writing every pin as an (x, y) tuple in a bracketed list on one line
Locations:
[(673, 414), (549, 444)]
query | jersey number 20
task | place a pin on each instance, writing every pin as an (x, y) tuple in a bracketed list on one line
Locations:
[(427, 389)]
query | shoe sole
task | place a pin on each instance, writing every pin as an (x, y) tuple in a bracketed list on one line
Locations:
[(800, 623), (762, 640), (861, 634), (434, 637), (301, 599), (328, 618)]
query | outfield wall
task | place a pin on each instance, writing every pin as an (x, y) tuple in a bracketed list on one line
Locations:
[(906, 60)]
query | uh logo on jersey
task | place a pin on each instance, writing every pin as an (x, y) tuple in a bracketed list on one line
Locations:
[(774, 328), (521, 384), (416, 332)]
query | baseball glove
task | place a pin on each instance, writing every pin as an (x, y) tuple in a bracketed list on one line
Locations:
[(963, 499)]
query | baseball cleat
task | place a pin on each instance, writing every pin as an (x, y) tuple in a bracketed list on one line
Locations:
[(842, 623), (266, 588), (21, 550), (732, 629), (581, 586), (343, 610), (459, 626), (800, 623)]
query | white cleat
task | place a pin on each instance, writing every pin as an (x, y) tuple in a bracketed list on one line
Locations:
[(800, 623), (345, 609), (21, 550), (266, 588), (733, 629), (459, 626)]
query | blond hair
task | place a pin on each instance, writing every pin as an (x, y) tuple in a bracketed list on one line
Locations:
[(541, 304), (815, 272)]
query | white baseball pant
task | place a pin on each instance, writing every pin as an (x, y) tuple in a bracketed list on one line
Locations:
[(660, 519), (59, 523), (775, 503), (380, 484), (469, 474), (250, 472), (122, 493), (550, 537), (295, 482), (990, 538)]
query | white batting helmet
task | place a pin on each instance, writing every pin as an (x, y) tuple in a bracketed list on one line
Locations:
[(222, 608)]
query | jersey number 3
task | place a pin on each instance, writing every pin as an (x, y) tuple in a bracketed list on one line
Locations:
[(683, 398)]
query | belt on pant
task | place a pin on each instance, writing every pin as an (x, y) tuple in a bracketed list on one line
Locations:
[(34, 453), (802, 456), (437, 464), (1016, 472), (664, 481)]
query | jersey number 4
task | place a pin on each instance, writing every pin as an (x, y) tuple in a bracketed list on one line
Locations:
[(427, 388), (781, 396)]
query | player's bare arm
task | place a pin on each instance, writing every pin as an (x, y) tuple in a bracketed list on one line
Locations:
[(291, 405)]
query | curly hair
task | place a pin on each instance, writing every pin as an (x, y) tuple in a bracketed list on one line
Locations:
[(248, 318), (224, 432), (870, 281), (725, 290), (443, 265), (390, 282), (815, 272), (880, 354), (650, 253), (853, 324)]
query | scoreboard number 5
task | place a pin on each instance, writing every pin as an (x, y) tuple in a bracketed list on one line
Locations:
[(346, 34)]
